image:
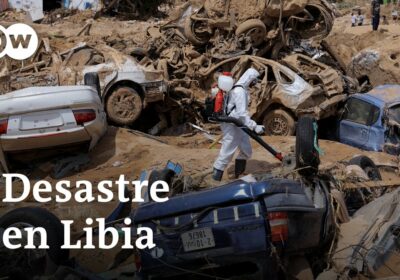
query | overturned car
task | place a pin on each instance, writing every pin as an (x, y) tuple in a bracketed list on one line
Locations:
[(127, 88), (36, 119)]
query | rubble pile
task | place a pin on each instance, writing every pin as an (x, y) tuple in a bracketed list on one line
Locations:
[(198, 42), (130, 9)]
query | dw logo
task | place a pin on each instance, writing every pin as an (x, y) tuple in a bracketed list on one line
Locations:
[(18, 41)]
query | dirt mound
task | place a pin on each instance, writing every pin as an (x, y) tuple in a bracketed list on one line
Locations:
[(367, 54)]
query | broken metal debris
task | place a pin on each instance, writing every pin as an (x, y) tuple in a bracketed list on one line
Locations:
[(184, 55)]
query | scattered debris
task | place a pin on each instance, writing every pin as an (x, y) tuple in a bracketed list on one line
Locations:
[(68, 165)]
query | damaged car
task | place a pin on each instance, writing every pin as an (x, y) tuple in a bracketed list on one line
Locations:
[(371, 121), (250, 228), (255, 20), (265, 25), (37, 119), (281, 95), (369, 243), (127, 88)]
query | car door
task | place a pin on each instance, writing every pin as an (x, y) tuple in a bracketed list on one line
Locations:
[(355, 125)]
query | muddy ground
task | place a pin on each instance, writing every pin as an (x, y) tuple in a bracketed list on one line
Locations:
[(124, 152)]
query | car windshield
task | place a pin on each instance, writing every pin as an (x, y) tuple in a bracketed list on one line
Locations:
[(361, 112), (394, 113)]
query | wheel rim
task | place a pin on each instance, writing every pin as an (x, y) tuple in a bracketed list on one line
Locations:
[(278, 125), (203, 35), (125, 105)]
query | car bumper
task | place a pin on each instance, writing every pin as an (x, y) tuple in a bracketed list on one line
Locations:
[(240, 245), (47, 140)]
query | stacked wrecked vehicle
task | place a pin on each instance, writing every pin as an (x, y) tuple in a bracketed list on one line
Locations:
[(184, 55), (225, 36)]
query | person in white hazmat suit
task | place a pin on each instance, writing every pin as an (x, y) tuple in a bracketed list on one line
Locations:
[(234, 137)]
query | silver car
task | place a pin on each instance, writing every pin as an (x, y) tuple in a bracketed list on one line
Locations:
[(49, 117)]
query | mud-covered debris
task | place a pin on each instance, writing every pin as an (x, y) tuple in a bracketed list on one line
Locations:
[(368, 243), (363, 62), (130, 9)]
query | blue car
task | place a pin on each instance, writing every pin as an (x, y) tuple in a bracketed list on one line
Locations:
[(371, 121), (238, 230)]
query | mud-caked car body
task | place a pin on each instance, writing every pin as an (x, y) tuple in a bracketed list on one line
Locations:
[(282, 96), (127, 87), (259, 20)]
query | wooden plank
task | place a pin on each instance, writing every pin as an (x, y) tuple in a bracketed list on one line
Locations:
[(373, 184)]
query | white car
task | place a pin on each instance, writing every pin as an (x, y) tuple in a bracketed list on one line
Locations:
[(49, 117)]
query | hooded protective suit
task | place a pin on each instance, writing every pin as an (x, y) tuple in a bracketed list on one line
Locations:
[(234, 137)]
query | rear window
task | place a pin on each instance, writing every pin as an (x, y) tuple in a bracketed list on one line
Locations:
[(361, 112)]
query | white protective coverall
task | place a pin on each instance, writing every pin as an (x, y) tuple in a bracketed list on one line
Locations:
[(234, 137)]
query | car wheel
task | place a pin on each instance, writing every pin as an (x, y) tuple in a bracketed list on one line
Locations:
[(307, 155), (35, 262), (368, 166), (195, 37), (356, 200), (253, 28), (92, 79), (124, 106), (279, 123)]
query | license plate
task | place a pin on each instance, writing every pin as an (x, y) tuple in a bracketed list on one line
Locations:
[(41, 121), (198, 239)]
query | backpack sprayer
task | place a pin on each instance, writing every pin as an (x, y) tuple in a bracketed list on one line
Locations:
[(216, 111)]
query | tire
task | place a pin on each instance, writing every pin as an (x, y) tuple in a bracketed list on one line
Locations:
[(139, 52), (38, 217), (356, 200), (307, 156), (124, 106), (255, 29), (192, 36), (368, 166), (279, 123), (92, 79), (166, 175)]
